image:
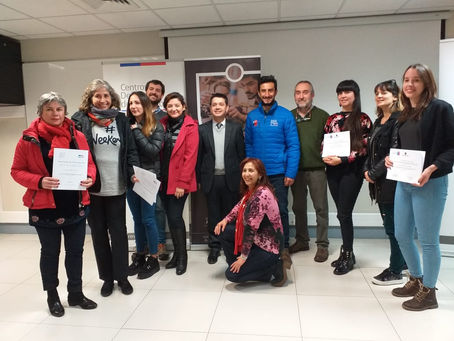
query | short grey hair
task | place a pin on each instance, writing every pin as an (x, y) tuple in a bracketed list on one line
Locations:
[(50, 97)]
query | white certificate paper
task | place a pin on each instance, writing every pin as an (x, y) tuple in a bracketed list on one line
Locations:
[(407, 165), (336, 144), (148, 185), (70, 167)]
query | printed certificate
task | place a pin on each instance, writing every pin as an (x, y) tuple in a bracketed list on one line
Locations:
[(148, 185), (407, 165), (70, 167), (336, 144)]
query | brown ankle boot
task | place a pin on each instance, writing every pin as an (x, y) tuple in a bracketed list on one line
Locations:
[(424, 299), (286, 259), (409, 289)]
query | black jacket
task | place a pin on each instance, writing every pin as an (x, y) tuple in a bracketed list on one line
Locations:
[(437, 136), (381, 139), (233, 155), (149, 148), (128, 152)]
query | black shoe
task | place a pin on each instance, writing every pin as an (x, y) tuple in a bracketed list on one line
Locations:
[(280, 275), (338, 260), (346, 264), (387, 277), (55, 307), (138, 260), (107, 288), (125, 286), (213, 256), (182, 264), (78, 298), (150, 267), (173, 262)]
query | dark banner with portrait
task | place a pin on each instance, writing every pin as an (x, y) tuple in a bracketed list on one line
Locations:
[(235, 77)]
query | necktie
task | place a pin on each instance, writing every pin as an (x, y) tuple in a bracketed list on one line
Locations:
[(219, 125)]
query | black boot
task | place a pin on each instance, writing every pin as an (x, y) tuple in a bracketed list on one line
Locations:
[(53, 301), (182, 256), (336, 262), (79, 299), (346, 264), (173, 261), (150, 267), (138, 260)]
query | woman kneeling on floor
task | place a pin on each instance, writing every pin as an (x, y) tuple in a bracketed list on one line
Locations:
[(252, 244)]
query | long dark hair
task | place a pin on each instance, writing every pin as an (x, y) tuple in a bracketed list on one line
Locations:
[(428, 94), (263, 178), (149, 120), (353, 122), (392, 87)]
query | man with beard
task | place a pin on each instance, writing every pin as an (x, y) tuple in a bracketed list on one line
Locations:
[(271, 136), (221, 150), (155, 90), (311, 175)]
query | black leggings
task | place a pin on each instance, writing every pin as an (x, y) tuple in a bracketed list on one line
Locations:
[(344, 184)]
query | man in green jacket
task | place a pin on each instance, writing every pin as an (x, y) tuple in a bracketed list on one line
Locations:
[(311, 175)]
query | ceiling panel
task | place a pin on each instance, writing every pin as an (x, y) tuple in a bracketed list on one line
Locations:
[(8, 14), (27, 26), (87, 22), (183, 16), (252, 11), (43, 8), (100, 32), (133, 19), (154, 4), (429, 4), (371, 6), (309, 8)]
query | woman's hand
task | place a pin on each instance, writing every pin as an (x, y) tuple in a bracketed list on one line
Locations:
[(220, 227), (88, 182), (50, 183), (236, 266), (332, 160), (388, 162), (179, 192), (134, 179), (367, 177), (425, 176)]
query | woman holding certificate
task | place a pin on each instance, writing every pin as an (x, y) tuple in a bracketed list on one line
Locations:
[(384, 136), (426, 124), (345, 173), (148, 134), (114, 152), (178, 161), (51, 211)]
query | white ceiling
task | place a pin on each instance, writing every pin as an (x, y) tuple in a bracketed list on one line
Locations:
[(30, 19)]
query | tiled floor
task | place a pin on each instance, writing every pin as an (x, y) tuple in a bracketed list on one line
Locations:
[(202, 305)]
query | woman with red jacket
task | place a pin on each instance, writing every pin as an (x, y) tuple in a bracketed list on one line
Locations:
[(179, 158), (54, 212)]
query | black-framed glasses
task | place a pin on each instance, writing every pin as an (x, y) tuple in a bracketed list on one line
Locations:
[(306, 118)]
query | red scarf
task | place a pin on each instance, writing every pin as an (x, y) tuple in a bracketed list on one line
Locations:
[(58, 137), (239, 228)]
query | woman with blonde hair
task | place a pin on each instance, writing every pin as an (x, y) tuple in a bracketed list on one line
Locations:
[(148, 134), (114, 151)]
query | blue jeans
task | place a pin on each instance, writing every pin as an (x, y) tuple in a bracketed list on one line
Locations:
[(145, 227), (421, 208), (281, 193)]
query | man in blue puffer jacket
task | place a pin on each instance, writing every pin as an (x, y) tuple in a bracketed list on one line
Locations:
[(271, 136)]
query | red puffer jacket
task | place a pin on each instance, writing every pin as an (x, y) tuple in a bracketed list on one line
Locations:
[(28, 167)]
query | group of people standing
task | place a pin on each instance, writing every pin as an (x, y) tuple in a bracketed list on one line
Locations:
[(245, 177)]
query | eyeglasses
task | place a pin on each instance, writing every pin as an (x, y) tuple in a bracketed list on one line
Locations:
[(300, 118)]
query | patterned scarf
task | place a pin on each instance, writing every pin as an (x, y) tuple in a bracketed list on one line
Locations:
[(239, 228), (58, 137), (98, 115)]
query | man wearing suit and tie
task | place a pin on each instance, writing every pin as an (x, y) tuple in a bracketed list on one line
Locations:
[(221, 150)]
